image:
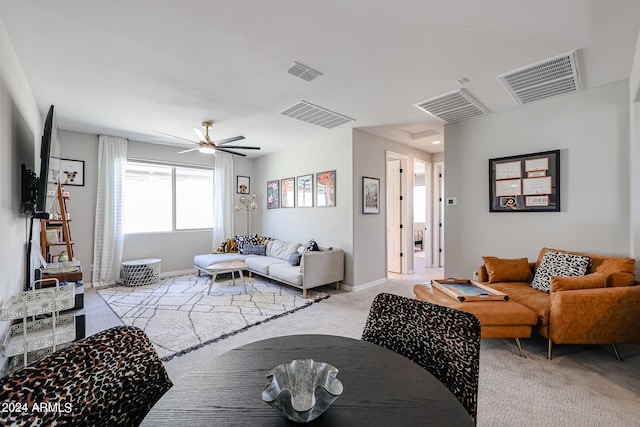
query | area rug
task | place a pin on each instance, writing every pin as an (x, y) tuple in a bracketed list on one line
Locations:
[(179, 316)]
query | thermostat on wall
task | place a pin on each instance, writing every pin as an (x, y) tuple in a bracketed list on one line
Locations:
[(452, 201)]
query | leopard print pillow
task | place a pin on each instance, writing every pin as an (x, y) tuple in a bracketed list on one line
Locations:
[(558, 264)]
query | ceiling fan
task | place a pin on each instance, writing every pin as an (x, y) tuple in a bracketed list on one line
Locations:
[(207, 146)]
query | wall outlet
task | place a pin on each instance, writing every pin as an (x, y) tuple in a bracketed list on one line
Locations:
[(475, 275), (452, 201)]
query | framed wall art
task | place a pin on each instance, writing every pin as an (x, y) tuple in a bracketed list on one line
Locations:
[(273, 194), (72, 172), (525, 183), (243, 185), (326, 188), (370, 195), (304, 186), (287, 193)]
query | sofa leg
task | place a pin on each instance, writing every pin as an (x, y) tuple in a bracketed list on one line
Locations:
[(337, 286), (549, 350), (304, 293), (520, 348), (615, 350)]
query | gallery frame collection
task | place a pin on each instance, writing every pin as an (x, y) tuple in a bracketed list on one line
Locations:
[(299, 191), (525, 183)]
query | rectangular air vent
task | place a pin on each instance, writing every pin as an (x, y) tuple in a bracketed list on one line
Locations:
[(552, 77), (316, 115), (304, 72), (453, 107)]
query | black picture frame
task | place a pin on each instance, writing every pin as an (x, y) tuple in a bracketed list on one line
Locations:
[(370, 195), (71, 172), (243, 185), (525, 183)]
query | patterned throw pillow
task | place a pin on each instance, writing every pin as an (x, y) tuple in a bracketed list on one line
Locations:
[(227, 246), (255, 249), (294, 258), (311, 246), (558, 264), (243, 239)]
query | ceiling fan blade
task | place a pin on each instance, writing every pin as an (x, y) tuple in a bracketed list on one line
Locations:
[(177, 137), (228, 140), (200, 135), (191, 149), (231, 152), (241, 147)]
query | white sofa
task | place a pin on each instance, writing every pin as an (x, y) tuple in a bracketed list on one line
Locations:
[(317, 268)]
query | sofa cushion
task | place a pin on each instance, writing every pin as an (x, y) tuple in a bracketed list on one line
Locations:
[(244, 239), (311, 246), (558, 264), (294, 258), (533, 299), (281, 250), (286, 272), (227, 246), (261, 264), (508, 270), (590, 281), (255, 249)]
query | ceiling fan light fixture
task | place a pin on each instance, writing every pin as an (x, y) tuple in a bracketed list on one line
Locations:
[(207, 149)]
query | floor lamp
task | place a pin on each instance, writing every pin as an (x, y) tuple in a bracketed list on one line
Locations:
[(247, 204)]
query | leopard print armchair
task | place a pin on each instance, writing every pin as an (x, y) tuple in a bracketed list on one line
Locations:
[(112, 378), (444, 341)]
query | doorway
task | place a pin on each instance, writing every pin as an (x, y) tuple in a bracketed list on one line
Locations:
[(422, 235)]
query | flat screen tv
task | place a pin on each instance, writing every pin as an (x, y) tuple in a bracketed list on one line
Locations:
[(49, 161)]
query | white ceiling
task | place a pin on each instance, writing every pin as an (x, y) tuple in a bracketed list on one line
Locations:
[(127, 68)]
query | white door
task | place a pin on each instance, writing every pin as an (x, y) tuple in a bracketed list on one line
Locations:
[(394, 217)]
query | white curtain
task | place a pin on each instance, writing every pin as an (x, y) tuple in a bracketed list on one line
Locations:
[(223, 188), (108, 240)]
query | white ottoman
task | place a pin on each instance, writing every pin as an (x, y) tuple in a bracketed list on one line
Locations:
[(140, 272)]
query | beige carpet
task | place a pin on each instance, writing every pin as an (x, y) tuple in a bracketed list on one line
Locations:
[(179, 316)]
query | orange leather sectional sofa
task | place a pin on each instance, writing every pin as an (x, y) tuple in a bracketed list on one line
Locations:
[(601, 307)]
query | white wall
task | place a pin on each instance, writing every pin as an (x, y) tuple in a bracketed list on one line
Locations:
[(634, 156), (591, 128), (370, 253), (20, 133), (176, 249), (329, 226)]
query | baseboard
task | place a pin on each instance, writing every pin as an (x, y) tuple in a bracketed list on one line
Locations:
[(351, 288), (166, 274)]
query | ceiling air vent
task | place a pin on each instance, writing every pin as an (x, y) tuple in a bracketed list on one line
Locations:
[(453, 107), (316, 115), (304, 72), (552, 77)]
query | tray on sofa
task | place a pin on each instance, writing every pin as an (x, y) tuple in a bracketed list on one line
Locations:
[(468, 290)]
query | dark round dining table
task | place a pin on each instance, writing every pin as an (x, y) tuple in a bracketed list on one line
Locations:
[(381, 388)]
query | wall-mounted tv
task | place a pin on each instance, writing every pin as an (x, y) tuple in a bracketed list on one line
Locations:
[(34, 189)]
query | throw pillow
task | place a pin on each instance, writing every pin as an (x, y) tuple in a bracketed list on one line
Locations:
[(282, 250), (507, 270), (227, 246), (294, 258), (590, 281), (255, 249), (558, 264), (311, 246), (243, 239)]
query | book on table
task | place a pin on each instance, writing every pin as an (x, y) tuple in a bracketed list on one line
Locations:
[(468, 290)]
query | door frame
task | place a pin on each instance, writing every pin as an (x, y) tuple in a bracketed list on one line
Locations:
[(438, 215), (429, 201), (407, 232)]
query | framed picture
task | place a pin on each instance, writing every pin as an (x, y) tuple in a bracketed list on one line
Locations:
[(525, 183), (71, 172), (304, 185), (287, 193), (243, 185), (273, 194), (370, 195), (326, 188)]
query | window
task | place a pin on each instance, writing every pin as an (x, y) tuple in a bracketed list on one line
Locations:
[(160, 198)]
